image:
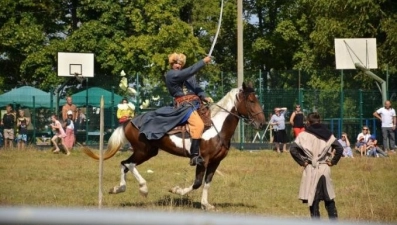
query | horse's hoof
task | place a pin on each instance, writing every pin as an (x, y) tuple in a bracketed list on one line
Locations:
[(174, 190), (143, 190), (207, 207), (117, 189)]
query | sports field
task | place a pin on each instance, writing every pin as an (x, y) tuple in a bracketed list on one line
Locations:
[(248, 182)]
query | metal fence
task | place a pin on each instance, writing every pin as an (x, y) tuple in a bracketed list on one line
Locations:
[(344, 111)]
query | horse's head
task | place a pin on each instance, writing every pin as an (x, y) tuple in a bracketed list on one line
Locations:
[(249, 108)]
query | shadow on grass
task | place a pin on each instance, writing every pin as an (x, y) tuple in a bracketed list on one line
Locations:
[(182, 202)]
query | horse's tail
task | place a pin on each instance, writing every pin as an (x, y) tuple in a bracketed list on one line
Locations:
[(116, 141)]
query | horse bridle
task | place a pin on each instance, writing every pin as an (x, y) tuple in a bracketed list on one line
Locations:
[(249, 119)]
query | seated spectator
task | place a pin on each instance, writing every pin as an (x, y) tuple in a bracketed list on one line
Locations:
[(373, 149), (344, 141), (362, 139)]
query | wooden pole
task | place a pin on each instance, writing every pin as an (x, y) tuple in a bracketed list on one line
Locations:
[(101, 128)]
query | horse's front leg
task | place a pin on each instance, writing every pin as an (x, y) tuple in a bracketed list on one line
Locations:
[(125, 167), (208, 178), (200, 170)]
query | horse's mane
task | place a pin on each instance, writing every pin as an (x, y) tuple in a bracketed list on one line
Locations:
[(227, 102)]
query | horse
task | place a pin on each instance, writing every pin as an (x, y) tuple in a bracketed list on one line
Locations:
[(225, 115)]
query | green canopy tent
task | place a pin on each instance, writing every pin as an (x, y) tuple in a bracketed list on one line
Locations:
[(34, 99), (90, 99), (27, 96), (94, 97)]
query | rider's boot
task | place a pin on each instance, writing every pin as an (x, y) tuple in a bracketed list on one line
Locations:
[(195, 158)]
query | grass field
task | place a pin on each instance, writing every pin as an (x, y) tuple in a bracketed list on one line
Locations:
[(249, 182)]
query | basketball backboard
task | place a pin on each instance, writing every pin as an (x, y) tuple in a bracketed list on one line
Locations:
[(71, 64), (349, 51)]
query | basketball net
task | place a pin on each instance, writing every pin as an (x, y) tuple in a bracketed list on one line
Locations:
[(79, 77)]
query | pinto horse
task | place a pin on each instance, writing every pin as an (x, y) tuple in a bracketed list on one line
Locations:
[(225, 115)]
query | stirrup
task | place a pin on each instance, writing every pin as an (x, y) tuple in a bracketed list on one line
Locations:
[(196, 160)]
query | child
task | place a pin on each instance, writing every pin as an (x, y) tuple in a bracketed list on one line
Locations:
[(59, 133), (22, 124), (69, 126), (372, 148)]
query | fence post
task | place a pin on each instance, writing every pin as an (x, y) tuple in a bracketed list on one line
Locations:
[(341, 103), (112, 108), (32, 117), (361, 106), (301, 98), (87, 117)]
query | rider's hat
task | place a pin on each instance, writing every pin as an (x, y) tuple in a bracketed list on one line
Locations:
[(177, 58)]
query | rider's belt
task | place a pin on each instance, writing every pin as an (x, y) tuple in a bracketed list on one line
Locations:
[(186, 98)]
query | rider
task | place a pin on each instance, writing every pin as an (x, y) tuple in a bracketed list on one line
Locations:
[(183, 86)]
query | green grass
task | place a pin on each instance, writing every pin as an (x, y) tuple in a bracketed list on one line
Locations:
[(257, 183)]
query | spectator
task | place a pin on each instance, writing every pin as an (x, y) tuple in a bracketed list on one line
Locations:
[(80, 120), (125, 111), (59, 133), (79, 123), (373, 149), (69, 131), (387, 115), (362, 139), (344, 141), (8, 122), (278, 122), (69, 106), (297, 120), (312, 150), (22, 126)]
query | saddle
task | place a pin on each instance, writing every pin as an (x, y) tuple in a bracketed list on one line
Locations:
[(205, 115)]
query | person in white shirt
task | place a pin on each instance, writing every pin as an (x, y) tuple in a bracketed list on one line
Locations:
[(388, 117), (362, 139), (278, 122)]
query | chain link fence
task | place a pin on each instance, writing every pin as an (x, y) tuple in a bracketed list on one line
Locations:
[(343, 111)]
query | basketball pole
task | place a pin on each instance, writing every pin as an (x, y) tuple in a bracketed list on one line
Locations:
[(101, 120)]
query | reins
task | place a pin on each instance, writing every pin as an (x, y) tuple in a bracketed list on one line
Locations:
[(245, 119)]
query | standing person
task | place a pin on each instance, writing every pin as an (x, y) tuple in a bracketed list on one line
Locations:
[(125, 111), (297, 120), (79, 123), (188, 95), (59, 133), (344, 141), (387, 115), (8, 122), (312, 149), (69, 131), (69, 106), (22, 125), (278, 122)]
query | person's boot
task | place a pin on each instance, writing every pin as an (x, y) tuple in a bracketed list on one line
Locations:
[(315, 210), (331, 209), (195, 158)]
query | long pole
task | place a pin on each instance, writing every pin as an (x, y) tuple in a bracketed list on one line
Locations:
[(240, 57), (299, 88), (87, 115), (240, 54), (101, 129), (341, 103)]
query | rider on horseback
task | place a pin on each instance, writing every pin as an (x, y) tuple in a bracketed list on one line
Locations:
[(183, 86)]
